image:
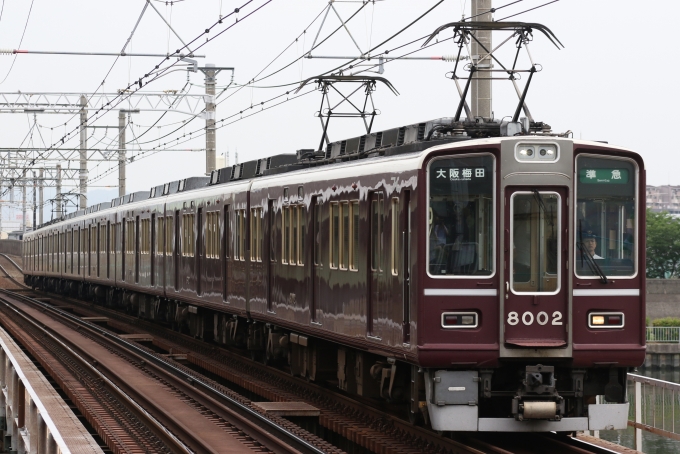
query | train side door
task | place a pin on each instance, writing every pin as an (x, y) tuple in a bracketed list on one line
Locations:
[(315, 241), (375, 260), (536, 300), (270, 251), (199, 250)]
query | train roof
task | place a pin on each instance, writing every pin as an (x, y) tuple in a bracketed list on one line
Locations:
[(393, 142)]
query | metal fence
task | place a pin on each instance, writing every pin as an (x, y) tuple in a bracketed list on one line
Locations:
[(654, 407), (657, 334)]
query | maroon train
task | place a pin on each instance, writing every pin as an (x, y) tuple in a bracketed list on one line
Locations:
[(489, 284)]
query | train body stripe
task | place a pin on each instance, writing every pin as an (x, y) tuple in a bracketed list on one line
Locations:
[(461, 292), (608, 292)]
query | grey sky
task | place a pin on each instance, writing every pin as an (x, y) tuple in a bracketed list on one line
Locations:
[(606, 84)]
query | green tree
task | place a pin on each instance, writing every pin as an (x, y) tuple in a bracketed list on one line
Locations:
[(663, 245)]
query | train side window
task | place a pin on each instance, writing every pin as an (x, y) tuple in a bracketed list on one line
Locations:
[(130, 237), (226, 231), (260, 233), (354, 236), (294, 238), (145, 247), (237, 233), (169, 235), (242, 230), (102, 238), (272, 229), (93, 239), (344, 236), (285, 234), (302, 218), (335, 235), (212, 234), (240, 235), (317, 232), (208, 236), (188, 235), (394, 246), (376, 233), (160, 230), (215, 234), (253, 234), (237, 236)]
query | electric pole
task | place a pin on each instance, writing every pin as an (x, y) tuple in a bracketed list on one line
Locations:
[(83, 156), (58, 197), (35, 205), (210, 133), (210, 71), (41, 175), (122, 154), (23, 206), (481, 82)]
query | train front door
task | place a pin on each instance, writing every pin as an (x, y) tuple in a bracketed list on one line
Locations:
[(536, 300)]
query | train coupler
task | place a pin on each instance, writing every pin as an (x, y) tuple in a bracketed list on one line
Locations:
[(537, 398)]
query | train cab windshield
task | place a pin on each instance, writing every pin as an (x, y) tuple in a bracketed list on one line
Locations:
[(461, 216), (605, 217)]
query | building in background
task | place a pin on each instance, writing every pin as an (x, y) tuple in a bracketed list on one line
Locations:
[(664, 198)]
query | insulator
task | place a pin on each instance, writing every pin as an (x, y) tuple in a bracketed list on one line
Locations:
[(6, 51), (451, 58)]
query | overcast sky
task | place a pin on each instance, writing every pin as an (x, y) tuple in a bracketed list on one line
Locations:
[(611, 81)]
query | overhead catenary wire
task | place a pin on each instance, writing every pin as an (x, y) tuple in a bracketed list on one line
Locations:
[(527, 10), (125, 94), (252, 86), (28, 17), (298, 82), (160, 149)]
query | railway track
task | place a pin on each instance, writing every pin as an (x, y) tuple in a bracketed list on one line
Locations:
[(135, 401), (358, 424)]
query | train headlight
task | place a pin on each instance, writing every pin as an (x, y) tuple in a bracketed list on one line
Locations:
[(458, 320), (597, 320), (547, 152), (525, 153), (605, 320), (536, 152)]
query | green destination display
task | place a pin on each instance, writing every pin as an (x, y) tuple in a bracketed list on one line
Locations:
[(603, 176)]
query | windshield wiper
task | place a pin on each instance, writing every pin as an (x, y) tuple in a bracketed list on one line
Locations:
[(592, 264)]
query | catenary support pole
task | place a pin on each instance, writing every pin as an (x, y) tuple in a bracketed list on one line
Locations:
[(41, 176), (122, 153), (481, 85), (35, 194), (210, 133), (23, 206), (83, 153), (58, 196)]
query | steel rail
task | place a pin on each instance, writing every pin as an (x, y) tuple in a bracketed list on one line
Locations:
[(579, 446), (160, 430), (346, 427), (283, 439), (13, 262)]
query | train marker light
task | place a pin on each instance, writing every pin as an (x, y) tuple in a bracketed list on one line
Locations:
[(605, 320), (459, 320)]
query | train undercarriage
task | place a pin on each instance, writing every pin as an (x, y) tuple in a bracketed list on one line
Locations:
[(516, 396)]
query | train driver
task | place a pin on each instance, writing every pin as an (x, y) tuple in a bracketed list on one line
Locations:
[(590, 243)]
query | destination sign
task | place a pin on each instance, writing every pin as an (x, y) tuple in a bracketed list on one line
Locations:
[(603, 176)]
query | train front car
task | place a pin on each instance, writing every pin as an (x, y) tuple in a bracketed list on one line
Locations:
[(532, 289)]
